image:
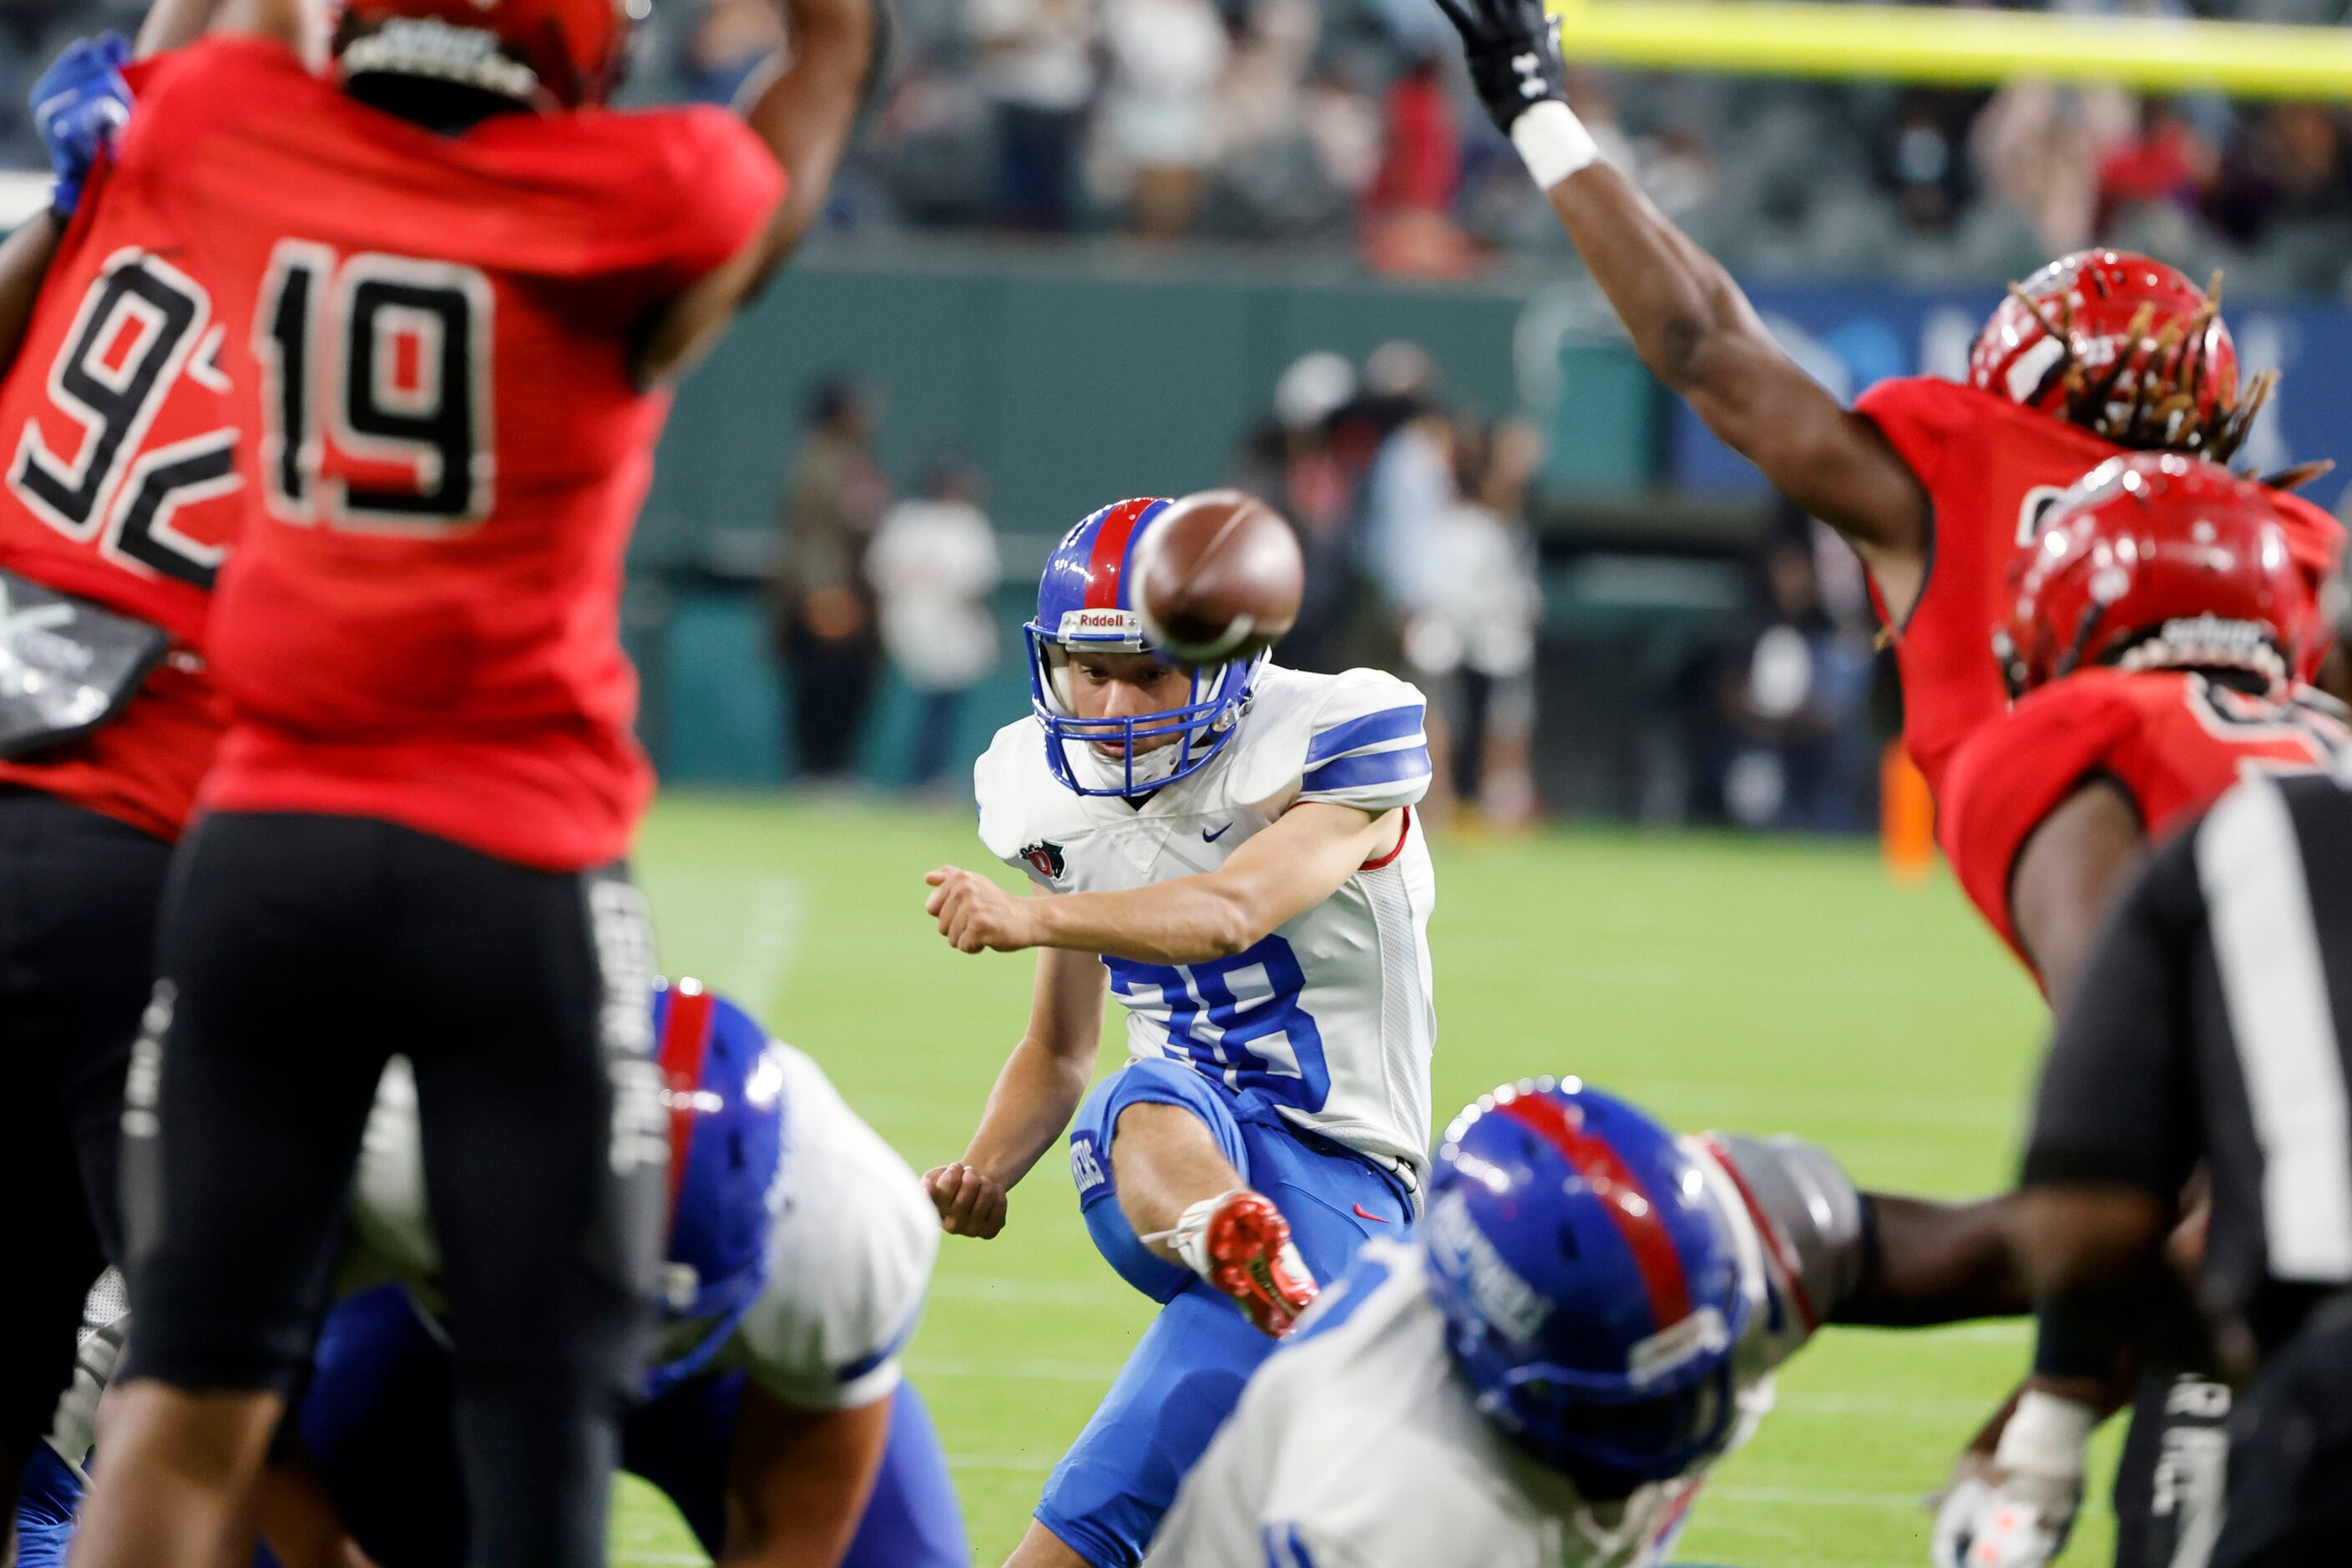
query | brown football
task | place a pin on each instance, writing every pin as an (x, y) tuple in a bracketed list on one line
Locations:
[(1218, 576)]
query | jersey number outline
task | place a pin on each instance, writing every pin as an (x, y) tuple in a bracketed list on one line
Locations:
[(328, 334), (2233, 716), (109, 489), (1239, 1020)]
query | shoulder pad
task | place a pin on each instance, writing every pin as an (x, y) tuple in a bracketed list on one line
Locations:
[(1366, 746), (1807, 1215), (1007, 782)]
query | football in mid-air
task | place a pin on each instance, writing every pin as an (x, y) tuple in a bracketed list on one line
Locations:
[(1218, 577)]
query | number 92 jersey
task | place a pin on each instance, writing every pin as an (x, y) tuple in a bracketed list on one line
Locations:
[(1328, 1018), (121, 485)]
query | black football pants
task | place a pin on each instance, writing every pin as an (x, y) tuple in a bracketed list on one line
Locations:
[(298, 953), (2291, 1453), (78, 894)]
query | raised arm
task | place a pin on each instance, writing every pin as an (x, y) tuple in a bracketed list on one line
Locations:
[(1034, 1097), (804, 110), (287, 21), (1293, 866), (1689, 321)]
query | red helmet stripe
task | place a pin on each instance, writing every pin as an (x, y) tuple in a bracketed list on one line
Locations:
[(1622, 1194), (1109, 555), (686, 1040)]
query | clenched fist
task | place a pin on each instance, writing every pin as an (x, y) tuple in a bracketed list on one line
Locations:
[(968, 1202), (976, 915)]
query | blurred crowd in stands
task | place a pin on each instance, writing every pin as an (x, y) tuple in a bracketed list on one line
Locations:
[(1343, 122)]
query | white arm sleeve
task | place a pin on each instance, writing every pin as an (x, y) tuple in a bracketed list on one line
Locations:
[(850, 1258)]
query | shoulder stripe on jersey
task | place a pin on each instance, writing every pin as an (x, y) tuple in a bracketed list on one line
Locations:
[(1108, 561), (1612, 1181), (1370, 730), (1366, 770), (1774, 1242), (1284, 1547), (873, 1361), (686, 1039)]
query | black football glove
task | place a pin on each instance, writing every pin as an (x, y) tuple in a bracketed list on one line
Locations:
[(1514, 54)]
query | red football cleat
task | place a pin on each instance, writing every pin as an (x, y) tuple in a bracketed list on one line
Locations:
[(1251, 1258)]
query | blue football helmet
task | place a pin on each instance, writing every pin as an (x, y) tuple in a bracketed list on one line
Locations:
[(1085, 602), (724, 1088), (1592, 1291)]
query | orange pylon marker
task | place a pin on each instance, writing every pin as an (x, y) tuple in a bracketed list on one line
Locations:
[(1907, 817)]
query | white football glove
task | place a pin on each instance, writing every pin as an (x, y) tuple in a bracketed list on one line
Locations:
[(2016, 1510)]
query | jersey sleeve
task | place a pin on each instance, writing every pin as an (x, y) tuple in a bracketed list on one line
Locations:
[(1924, 418), (2011, 775), (2315, 536), (1365, 746), (850, 1259), (1005, 781), (1810, 1223), (715, 189)]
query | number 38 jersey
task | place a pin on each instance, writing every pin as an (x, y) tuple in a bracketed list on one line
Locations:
[(119, 485), (1328, 1019), (445, 445)]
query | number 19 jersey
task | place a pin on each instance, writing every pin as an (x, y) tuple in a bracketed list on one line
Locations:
[(1328, 1018), (444, 446)]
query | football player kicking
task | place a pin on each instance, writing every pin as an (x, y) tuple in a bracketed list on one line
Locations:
[(1588, 1319), (1230, 850), (2152, 644), (775, 1415)]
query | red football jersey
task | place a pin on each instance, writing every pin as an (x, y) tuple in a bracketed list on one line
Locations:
[(2172, 742), (430, 343), (1991, 469), (121, 484)]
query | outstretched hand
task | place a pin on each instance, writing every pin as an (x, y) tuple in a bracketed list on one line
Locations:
[(1513, 50), (976, 915), (78, 106)]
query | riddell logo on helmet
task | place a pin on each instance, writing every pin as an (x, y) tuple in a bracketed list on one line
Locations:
[(1101, 624)]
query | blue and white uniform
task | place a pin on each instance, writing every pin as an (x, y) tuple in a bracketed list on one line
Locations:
[(1362, 1445), (843, 1241), (1307, 1057)]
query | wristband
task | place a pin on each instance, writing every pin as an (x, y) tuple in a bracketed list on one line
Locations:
[(2046, 1436), (1553, 142)]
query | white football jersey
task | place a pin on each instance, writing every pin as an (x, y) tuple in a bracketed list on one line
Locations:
[(1360, 1446), (850, 1250), (1329, 1018)]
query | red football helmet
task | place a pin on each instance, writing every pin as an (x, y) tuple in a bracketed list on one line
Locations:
[(2157, 560), (2124, 346), (548, 53)]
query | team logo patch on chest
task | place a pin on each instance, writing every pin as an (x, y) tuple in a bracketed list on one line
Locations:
[(1046, 858)]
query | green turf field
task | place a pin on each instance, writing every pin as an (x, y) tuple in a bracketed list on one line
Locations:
[(1764, 986)]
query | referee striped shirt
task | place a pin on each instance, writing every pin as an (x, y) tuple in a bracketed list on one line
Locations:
[(2205, 1028)]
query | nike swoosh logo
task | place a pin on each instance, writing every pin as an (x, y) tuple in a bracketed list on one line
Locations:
[(1363, 1213), (1207, 837)]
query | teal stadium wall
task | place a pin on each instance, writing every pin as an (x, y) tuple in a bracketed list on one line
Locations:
[(1071, 378)]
